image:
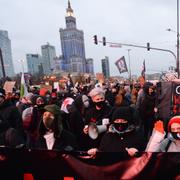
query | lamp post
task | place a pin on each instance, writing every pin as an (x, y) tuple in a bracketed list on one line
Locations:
[(177, 33), (177, 64), (129, 64), (177, 56)]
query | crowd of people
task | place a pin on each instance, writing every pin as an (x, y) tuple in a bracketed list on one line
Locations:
[(97, 118)]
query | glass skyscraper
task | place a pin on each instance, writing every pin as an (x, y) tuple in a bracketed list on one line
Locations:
[(48, 55), (5, 45), (72, 44), (34, 63), (105, 66)]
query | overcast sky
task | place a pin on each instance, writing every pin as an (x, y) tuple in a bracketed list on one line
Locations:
[(32, 23)]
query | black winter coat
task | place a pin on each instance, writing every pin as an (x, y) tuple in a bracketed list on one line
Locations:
[(64, 142), (10, 118), (113, 142)]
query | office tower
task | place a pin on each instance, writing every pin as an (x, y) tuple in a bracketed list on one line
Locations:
[(48, 55), (72, 44), (34, 64), (89, 66), (105, 66), (5, 45), (57, 65)]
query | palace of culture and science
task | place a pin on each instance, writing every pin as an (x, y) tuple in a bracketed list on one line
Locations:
[(73, 48)]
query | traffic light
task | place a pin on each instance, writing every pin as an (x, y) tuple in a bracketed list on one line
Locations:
[(148, 46), (95, 39), (104, 41)]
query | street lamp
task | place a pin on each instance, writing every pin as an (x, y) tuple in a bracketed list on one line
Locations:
[(177, 33), (177, 56)]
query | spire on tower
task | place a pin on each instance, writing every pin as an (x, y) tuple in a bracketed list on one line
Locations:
[(69, 10), (69, 5)]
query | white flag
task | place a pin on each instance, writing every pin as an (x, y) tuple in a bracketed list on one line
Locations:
[(23, 90)]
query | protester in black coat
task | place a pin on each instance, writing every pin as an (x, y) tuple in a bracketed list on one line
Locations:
[(147, 109), (11, 127), (122, 135), (31, 117), (24, 102), (96, 114), (52, 136)]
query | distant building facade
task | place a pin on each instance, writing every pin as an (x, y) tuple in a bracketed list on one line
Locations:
[(34, 64), (48, 55), (105, 66), (72, 44), (58, 65), (90, 66), (5, 45)]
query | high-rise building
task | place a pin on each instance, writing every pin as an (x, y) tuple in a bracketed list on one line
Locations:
[(48, 55), (105, 66), (34, 64), (5, 45), (89, 66), (72, 44), (57, 65)]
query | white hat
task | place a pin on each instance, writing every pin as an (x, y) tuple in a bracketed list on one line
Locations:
[(96, 91)]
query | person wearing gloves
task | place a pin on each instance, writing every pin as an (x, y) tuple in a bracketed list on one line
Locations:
[(52, 136), (95, 115), (160, 141), (122, 135)]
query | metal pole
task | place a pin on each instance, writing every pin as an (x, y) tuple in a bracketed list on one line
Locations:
[(2, 64), (177, 63), (129, 64), (119, 45)]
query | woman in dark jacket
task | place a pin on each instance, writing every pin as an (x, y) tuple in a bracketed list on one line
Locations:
[(147, 109), (73, 118), (11, 126), (95, 115), (122, 135), (51, 132), (31, 117)]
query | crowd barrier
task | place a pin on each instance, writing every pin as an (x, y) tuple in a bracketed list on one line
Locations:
[(54, 165)]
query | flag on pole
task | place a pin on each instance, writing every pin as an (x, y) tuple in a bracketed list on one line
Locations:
[(121, 65), (23, 88), (143, 69)]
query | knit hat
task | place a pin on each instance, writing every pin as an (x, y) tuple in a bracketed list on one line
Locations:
[(175, 119), (2, 92), (122, 113), (96, 91), (54, 109)]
